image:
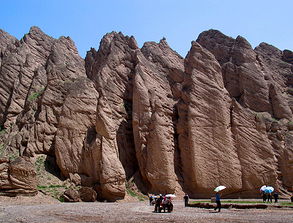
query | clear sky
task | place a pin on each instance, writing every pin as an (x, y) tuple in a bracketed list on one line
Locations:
[(179, 21)]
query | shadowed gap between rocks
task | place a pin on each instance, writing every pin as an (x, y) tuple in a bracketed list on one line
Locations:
[(5, 112), (177, 154), (175, 119), (52, 167), (86, 179), (125, 138)]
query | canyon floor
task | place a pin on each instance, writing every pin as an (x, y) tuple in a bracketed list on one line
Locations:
[(49, 211)]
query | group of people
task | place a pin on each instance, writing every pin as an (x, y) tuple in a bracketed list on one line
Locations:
[(161, 203), (268, 197)]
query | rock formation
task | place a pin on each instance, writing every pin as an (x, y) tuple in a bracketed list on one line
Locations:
[(209, 155), (158, 72), (222, 115), (17, 177)]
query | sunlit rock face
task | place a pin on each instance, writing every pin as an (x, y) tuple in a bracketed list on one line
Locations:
[(17, 177), (147, 117)]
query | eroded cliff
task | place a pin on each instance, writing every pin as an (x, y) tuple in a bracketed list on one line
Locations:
[(222, 115)]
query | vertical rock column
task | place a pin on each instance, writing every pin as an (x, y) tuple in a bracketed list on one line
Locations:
[(154, 116), (111, 68), (252, 78), (209, 157), (256, 155)]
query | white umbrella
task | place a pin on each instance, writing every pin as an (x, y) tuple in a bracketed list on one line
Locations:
[(170, 195), (263, 188), (219, 188)]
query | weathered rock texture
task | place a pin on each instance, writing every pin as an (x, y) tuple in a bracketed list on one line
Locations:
[(222, 115), (17, 177), (209, 155), (159, 71), (71, 195)]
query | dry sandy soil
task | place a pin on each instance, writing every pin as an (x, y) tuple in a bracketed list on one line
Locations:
[(41, 209)]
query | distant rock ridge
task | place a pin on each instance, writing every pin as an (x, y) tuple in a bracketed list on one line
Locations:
[(146, 116)]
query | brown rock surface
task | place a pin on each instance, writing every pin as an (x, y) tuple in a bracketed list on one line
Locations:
[(71, 195), (222, 115), (76, 129), (17, 177), (111, 69), (19, 68), (159, 71), (209, 157), (255, 152), (244, 78), (287, 56), (87, 194), (7, 43), (260, 80)]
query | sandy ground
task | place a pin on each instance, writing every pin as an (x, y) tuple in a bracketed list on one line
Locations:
[(54, 212)]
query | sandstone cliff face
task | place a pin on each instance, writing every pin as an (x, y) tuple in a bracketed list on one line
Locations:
[(111, 69), (259, 81), (20, 66), (17, 177), (205, 138), (159, 72), (222, 115)]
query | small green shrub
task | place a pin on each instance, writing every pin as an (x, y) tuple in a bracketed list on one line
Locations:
[(1, 149), (290, 91), (2, 130), (35, 95), (61, 199), (54, 191), (258, 115), (135, 194), (286, 203), (40, 187), (242, 202), (131, 193), (40, 163), (12, 156)]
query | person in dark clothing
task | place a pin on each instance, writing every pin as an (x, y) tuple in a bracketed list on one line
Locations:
[(264, 196), (218, 201), (158, 203), (276, 196), (151, 199), (186, 199), (270, 198)]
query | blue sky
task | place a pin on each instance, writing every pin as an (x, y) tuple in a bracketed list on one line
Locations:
[(179, 21)]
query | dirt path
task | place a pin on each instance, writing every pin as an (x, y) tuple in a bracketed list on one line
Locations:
[(133, 212)]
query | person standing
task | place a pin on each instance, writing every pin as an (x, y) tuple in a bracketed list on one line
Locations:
[(270, 198), (186, 199), (276, 196), (218, 201), (158, 204), (151, 199), (264, 196)]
